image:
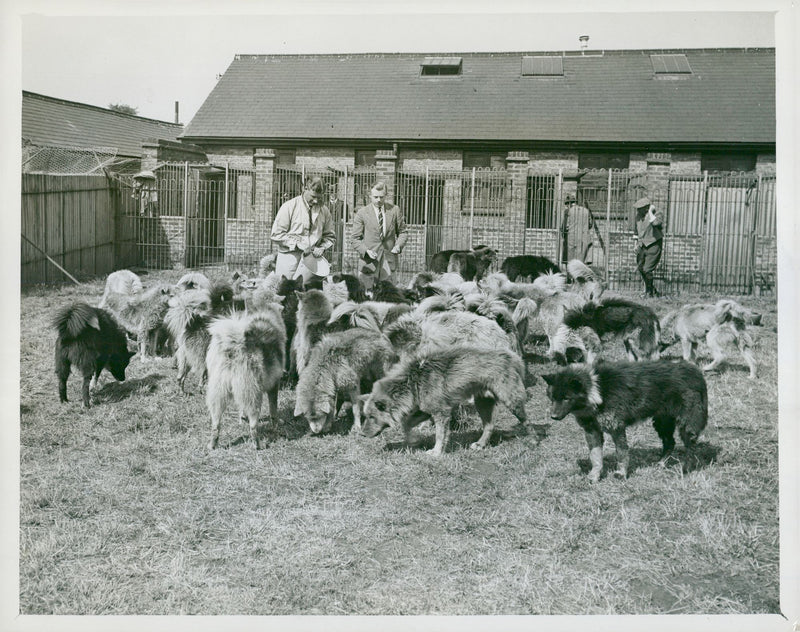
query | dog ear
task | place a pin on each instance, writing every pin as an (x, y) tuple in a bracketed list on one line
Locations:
[(93, 322), (324, 406)]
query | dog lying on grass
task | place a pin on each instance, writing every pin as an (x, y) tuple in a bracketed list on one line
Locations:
[(339, 367), (714, 324), (91, 340), (609, 397), (245, 359), (430, 385)]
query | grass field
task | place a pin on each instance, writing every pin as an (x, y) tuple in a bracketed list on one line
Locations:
[(123, 510)]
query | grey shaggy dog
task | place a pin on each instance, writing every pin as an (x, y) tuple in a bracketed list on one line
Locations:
[(423, 333), (313, 312), (340, 366), (716, 325), (143, 316), (122, 282), (430, 385), (611, 396), (245, 359)]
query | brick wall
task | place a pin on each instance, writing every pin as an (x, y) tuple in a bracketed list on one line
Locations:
[(246, 241), (173, 230)]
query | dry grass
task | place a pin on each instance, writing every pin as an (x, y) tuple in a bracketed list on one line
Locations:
[(124, 511)]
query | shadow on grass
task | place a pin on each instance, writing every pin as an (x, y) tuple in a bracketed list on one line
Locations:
[(532, 435), (701, 456), (118, 391)]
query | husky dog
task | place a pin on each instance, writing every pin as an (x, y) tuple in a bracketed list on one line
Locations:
[(527, 266), (430, 385), (90, 339), (189, 315), (714, 324), (143, 316), (313, 313), (386, 291), (267, 264), (609, 397), (584, 281), (339, 367), (122, 282), (636, 324), (244, 360), (470, 264), (336, 291), (424, 333), (193, 281), (355, 290)]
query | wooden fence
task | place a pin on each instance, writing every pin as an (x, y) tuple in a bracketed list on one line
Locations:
[(71, 220)]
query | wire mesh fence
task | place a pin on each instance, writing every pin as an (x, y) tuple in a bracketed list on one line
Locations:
[(719, 229)]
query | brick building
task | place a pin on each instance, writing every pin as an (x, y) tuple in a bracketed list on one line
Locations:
[(483, 148)]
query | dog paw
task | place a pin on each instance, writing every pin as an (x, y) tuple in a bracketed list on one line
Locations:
[(594, 477), (620, 473), (476, 446)]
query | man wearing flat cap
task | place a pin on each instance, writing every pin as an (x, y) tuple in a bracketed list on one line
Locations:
[(649, 238)]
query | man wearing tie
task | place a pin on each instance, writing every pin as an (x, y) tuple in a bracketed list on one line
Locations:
[(379, 234)]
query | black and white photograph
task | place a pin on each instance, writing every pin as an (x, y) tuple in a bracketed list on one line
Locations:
[(354, 315)]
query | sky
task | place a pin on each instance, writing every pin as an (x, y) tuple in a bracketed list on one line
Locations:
[(151, 55)]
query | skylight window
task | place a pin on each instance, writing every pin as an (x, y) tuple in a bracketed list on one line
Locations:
[(542, 66), (670, 64), (436, 66)]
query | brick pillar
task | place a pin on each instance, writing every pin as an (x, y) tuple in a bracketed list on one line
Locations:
[(386, 166), (264, 162), (517, 167), (658, 179)]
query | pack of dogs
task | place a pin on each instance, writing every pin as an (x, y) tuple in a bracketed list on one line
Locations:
[(454, 337)]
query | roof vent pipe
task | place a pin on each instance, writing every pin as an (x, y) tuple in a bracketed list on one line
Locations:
[(584, 40)]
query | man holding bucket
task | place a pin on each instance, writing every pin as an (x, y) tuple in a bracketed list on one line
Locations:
[(379, 234), (303, 230)]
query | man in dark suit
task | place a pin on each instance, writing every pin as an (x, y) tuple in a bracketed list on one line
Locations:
[(379, 235)]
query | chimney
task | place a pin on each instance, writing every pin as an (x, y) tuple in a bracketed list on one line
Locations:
[(177, 119), (584, 40)]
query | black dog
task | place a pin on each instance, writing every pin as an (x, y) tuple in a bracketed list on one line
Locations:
[(470, 264), (387, 292), (608, 397), (355, 290), (527, 266), (636, 324), (92, 340)]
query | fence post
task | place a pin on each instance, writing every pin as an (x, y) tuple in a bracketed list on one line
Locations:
[(704, 274), (344, 222), (227, 165), (751, 259), (608, 223), (472, 207), (559, 202), (185, 212), (425, 220)]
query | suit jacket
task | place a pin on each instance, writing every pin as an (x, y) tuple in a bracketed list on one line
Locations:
[(366, 233)]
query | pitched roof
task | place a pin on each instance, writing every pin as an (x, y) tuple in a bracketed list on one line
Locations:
[(610, 96), (50, 121)]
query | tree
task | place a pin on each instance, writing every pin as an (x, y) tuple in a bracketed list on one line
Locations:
[(122, 107)]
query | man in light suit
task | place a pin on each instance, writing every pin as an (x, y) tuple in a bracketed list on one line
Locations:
[(379, 234)]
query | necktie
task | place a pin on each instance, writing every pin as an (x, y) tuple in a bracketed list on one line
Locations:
[(380, 220)]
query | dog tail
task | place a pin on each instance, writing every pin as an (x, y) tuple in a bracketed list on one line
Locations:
[(550, 282), (448, 301), (579, 271), (184, 308), (354, 315), (72, 320), (580, 316)]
